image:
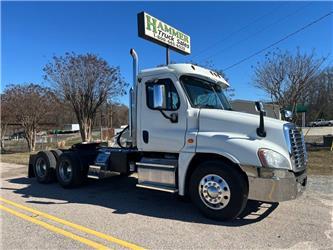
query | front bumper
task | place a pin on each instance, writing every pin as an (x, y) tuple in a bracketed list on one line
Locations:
[(275, 185)]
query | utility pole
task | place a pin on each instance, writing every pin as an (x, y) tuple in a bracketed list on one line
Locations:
[(167, 55)]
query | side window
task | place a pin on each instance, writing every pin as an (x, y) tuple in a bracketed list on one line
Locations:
[(172, 97)]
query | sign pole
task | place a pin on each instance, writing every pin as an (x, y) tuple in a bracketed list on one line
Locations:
[(167, 55)]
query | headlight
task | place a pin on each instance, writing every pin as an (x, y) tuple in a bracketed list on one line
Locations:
[(272, 159)]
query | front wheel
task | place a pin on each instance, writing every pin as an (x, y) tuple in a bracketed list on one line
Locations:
[(218, 190)]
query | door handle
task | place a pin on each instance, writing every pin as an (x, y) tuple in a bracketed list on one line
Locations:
[(174, 117), (145, 136)]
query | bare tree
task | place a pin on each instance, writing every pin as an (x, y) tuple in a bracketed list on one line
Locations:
[(286, 78), (5, 119), (28, 105), (111, 115), (320, 98), (86, 82), (119, 114)]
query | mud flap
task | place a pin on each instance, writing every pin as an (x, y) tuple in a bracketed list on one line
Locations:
[(31, 172)]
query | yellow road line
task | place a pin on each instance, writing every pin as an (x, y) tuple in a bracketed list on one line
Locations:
[(76, 226), (54, 229)]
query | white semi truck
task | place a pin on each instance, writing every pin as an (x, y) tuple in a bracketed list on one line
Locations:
[(184, 138)]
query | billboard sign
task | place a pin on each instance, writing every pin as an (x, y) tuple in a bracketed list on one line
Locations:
[(156, 31)]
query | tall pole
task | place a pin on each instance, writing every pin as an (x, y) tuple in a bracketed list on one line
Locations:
[(303, 119), (167, 55)]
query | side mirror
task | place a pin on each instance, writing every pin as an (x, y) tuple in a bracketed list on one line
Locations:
[(259, 107), (261, 129), (287, 115), (159, 98)]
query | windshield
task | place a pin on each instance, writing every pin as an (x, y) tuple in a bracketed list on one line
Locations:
[(204, 94)]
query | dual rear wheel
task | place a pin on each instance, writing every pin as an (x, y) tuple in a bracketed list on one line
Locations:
[(65, 167), (44, 167)]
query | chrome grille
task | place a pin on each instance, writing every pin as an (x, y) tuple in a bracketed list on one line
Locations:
[(298, 149)]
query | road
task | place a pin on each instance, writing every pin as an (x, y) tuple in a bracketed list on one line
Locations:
[(317, 131), (112, 213)]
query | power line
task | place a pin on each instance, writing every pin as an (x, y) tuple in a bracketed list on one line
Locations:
[(258, 32), (279, 41), (235, 32)]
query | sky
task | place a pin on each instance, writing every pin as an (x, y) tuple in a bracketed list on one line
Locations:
[(222, 33)]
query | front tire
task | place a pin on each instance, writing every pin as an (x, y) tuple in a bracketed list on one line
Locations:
[(218, 190)]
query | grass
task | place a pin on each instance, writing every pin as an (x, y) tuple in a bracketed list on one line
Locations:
[(320, 161), (16, 158)]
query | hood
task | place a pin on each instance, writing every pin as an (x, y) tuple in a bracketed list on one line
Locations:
[(242, 125)]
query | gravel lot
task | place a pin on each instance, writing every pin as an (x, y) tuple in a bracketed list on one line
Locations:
[(156, 220)]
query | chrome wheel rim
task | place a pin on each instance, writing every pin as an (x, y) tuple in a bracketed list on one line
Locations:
[(41, 167), (65, 171), (214, 191)]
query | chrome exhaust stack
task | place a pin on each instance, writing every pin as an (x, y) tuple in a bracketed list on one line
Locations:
[(132, 100)]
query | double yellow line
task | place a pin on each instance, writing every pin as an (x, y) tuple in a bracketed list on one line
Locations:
[(58, 230)]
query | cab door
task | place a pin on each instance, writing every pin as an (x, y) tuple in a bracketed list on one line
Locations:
[(162, 114)]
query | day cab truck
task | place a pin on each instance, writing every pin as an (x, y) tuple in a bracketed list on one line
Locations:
[(183, 137)]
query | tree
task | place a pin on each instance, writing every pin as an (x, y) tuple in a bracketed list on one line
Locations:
[(287, 78), (5, 119), (320, 98), (112, 115), (28, 105), (86, 82)]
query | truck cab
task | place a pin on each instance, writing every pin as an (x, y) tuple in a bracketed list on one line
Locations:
[(183, 113), (184, 138)]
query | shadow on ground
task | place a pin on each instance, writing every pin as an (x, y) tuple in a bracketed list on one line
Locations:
[(121, 195)]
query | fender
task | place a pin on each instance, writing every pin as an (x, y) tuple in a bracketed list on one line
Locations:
[(237, 148), (184, 162)]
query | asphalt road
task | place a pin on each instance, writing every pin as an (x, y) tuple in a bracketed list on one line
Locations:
[(317, 131), (114, 213)]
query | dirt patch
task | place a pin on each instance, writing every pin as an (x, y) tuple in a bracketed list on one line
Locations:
[(320, 162)]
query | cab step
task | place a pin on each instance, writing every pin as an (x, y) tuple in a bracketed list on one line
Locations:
[(94, 172)]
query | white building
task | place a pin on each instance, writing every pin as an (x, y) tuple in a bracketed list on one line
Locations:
[(72, 127)]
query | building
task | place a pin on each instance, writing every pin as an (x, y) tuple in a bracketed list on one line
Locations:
[(272, 110), (74, 127)]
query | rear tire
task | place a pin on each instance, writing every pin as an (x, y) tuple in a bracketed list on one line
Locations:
[(44, 167), (70, 170), (56, 153), (218, 190)]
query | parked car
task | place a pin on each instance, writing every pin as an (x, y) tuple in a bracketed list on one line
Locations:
[(321, 122)]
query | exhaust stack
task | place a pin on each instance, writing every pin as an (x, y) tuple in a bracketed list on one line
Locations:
[(132, 99), (135, 64)]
